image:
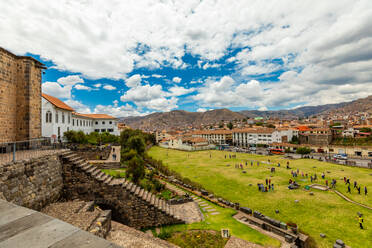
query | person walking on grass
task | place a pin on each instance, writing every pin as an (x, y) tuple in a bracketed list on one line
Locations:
[(348, 189), (358, 188), (355, 184), (360, 219), (272, 187), (365, 190)]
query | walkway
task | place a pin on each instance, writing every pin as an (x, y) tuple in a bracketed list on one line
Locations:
[(349, 200), (27, 154), (114, 150), (23, 227)]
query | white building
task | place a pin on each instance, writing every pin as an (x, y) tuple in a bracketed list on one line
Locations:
[(58, 117)]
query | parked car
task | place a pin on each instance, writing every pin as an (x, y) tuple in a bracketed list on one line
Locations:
[(340, 156)]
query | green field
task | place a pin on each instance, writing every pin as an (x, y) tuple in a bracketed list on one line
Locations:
[(323, 212)]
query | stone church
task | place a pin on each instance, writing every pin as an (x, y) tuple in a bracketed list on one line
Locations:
[(20, 97)]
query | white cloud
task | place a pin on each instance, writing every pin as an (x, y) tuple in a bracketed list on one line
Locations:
[(70, 80), (201, 110), (177, 80), (56, 90), (81, 87), (97, 85), (327, 47), (133, 81), (78, 106), (179, 91), (157, 76), (118, 111), (151, 97), (109, 87)]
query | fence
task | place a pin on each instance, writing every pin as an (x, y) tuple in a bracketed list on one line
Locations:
[(21, 150)]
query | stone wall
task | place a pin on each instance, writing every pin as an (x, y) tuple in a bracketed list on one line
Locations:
[(34, 183), (92, 152), (20, 97), (130, 204)]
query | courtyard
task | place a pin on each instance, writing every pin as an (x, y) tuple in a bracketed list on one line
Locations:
[(314, 211)]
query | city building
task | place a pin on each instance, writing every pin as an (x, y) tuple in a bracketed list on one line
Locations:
[(186, 143), (315, 136), (20, 97), (252, 136), (58, 117), (219, 136)]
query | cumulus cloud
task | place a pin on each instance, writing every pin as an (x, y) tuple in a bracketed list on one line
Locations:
[(109, 87), (179, 91), (62, 88), (133, 81), (325, 49), (81, 87), (177, 80), (97, 85), (78, 106), (201, 110), (118, 111)]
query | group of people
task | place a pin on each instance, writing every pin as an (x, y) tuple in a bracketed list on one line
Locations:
[(269, 186), (356, 186)]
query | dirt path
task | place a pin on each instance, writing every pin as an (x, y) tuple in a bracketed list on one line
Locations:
[(351, 201)]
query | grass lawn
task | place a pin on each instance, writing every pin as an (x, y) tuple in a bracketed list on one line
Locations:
[(323, 212), (224, 220), (115, 172)]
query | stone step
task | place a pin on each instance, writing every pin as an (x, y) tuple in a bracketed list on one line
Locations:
[(104, 177), (145, 195), (138, 189), (129, 185), (163, 206), (95, 172), (153, 198), (70, 155), (108, 180), (140, 194), (100, 174), (134, 188), (91, 169), (125, 184), (86, 166), (79, 162), (74, 158)]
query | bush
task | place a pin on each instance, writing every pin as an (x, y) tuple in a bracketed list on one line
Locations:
[(303, 150)]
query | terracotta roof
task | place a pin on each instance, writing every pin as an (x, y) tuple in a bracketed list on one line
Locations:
[(56, 102), (95, 116)]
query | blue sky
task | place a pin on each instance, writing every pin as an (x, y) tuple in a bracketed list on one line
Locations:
[(137, 57)]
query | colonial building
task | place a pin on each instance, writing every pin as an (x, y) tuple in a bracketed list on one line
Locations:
[(249, 136), (186, 143), (20, 97), (315, 136), (215, 136), (58, 117)]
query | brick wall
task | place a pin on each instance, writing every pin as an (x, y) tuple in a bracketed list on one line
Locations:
[(20, 97), (33, 183)]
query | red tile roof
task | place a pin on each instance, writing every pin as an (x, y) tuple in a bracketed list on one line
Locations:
[(95, 116), (56, 102)]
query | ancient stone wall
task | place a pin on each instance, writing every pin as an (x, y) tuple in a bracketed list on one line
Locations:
[(130, 204), (33, 183), (20, 97)]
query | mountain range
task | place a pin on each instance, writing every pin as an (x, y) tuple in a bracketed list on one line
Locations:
[(181, 118)]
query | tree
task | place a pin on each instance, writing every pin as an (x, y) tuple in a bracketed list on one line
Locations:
[(270, 125), (136, 143), (230, 125), (221, 125), (294, 140), (136, 169), (303, 150)]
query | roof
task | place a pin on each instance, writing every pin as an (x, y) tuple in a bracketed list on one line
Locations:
[(37, 62), (254, 130), (219, 131), (95, 116), (56, 102)]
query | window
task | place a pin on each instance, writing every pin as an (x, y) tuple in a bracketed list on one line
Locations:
[(110, 130), (110, 122), (103, 123), (56, 117), (48, 117), (63, 118), (81, 122), (69, 118), (96, 122), (103, 130), (96, 130), (73, 122)]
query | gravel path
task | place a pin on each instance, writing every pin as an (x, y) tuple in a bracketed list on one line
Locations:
[(235, 242)]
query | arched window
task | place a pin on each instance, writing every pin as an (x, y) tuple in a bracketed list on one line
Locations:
[(63, 117), (48, 117), (56, 117)]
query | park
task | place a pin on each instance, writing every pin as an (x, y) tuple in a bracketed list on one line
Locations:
[(323, 215)]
